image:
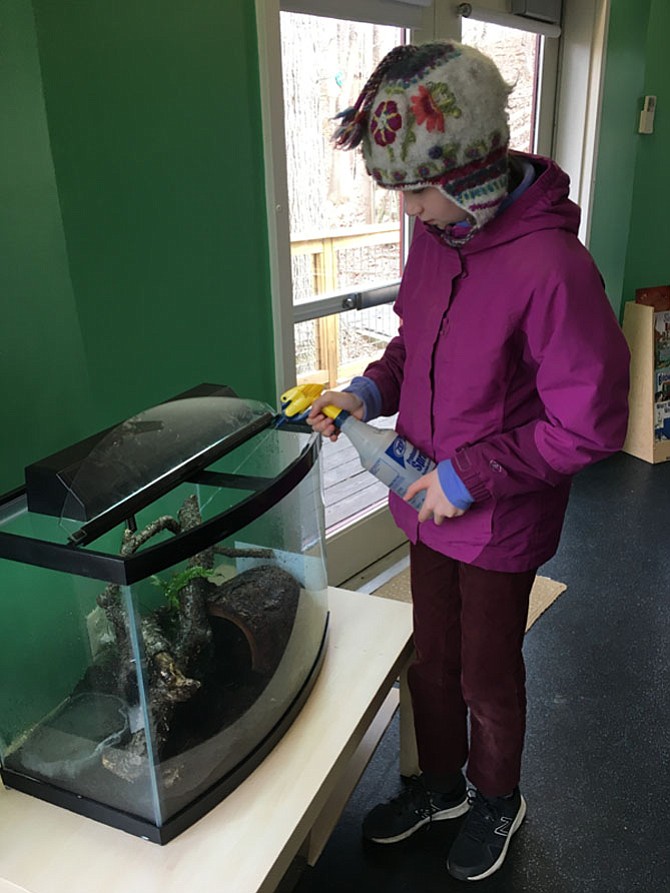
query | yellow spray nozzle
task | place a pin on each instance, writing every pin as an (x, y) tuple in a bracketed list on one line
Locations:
[(331, 411), (299, 399)]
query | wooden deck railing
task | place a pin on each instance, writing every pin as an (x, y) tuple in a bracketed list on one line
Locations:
[(323, 250)]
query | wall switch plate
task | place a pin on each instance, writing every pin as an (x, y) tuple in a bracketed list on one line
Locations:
[(647, 115)]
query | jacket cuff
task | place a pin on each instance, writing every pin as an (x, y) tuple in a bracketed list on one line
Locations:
[(369, 393), (454, 488)]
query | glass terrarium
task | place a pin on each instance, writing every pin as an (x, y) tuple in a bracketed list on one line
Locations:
[(165, 610)]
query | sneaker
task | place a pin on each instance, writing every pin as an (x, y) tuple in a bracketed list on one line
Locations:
[(482, 842), (413, 808)]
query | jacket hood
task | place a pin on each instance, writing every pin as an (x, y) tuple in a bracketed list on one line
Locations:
[(544, 205)]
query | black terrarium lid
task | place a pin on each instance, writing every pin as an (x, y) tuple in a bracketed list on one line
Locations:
[(108, 478)]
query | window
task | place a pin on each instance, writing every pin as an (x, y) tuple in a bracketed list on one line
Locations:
[(517, 54), (346, 235)]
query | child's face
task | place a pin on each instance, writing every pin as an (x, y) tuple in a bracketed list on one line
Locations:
[(430, 206)]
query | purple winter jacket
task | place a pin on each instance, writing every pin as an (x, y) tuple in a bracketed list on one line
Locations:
[(510, 362)]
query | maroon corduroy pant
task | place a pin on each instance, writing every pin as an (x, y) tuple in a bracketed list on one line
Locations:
[(469, 625)]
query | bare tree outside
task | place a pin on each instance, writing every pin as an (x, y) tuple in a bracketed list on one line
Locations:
[(325, 65)]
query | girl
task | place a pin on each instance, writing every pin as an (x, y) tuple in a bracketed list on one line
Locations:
[(510, 370)]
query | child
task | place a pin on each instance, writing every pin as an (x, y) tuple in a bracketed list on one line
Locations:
[(511, 371)]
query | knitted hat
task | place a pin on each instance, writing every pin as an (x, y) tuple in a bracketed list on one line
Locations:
[(434, 115)]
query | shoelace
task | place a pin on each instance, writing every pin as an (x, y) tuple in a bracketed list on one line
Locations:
[(414, 797), (480, 818)]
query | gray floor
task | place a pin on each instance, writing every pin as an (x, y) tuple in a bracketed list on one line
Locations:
[(596, 765)]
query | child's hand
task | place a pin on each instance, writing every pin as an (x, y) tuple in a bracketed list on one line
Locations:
[(435, 505), (325, 425)]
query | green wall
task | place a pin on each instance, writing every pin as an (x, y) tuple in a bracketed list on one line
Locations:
[(133, 223), (629, 231), (42, 365), (648, 250)]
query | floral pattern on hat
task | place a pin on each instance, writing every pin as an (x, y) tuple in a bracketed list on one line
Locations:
[(386, 121), (426, 111), (448, 154), (432, 104)]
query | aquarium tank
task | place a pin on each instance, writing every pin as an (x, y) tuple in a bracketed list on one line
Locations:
[(165, 610)]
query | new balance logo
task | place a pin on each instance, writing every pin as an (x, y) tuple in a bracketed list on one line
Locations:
[(425, 811), (504, 826)]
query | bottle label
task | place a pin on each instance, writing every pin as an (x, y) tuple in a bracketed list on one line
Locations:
[(399, 466), (408, 457)]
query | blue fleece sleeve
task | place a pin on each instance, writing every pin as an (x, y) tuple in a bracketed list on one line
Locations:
[(369, 393), (454, 488)]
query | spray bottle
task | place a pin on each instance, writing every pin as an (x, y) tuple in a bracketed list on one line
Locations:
[(384, 453)]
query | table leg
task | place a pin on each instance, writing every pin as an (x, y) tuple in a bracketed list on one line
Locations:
[(409, 760)]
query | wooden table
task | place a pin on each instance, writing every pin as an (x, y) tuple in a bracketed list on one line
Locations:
[(287, 806)]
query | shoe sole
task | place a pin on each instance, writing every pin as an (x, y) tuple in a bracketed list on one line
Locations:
[(440, 816), (521, 814)]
